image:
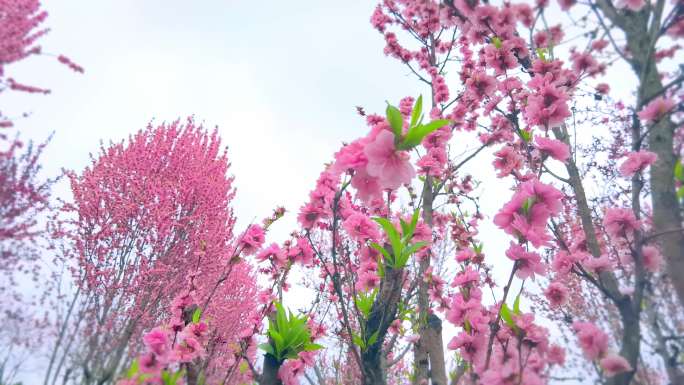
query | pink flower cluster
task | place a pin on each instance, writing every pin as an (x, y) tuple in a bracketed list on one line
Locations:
[(169, 346), (594, 344), (526, 215), (636, 162)]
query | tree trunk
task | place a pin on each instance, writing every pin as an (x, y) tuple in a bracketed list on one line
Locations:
[(641, 38), (435, 349), (269, 376), (381, 316), (428, 353)]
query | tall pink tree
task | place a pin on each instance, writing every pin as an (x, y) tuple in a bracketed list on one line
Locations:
[(147, 217)]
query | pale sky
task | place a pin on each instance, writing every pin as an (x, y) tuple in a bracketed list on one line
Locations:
[(280, 79)]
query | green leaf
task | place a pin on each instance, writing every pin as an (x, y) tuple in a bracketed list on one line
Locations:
[(177, 375), (133, 370), (516, 305), (310, 347), (388, 257), (506, 316), (405, 227), (417, 111), (527, 205), (381, 268), (196, 315), (680, 192), (679, 171), (392, 234), (358, 341), (373, 338), (414, 223), (165, 377), (541, 52), (364, 302), (526, 135), (477, 247), (395, 120), (279, 342), (415, 247), (416, 135), (497, 42)]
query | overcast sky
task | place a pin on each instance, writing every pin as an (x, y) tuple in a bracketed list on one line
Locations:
[(280, 79)]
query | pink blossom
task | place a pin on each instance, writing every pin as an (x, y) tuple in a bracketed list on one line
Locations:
[(390, 166), (592, 340), (361, 228), (566, 4), (367, 280), (467, 276), (310, 214), (556, 355), (69, 63), (479, 85), (351, 156), (406, 106), (584, 62), (507, 161), (301, 252), (188, 349), (500, 58), (613, 364), (158, 341), (470, 346), (197, 330), (413, 338), (252, 239), (273, 252), (620, 222), (598, 265), (465, 255), (553, 148), (526, 214), (633, 5), (462, 308), (150, 363), (563, 261), (557, 294), (651, 258), (528, 263), (367, 187), (547, 106), (603, 88), (290, 371), (637, 162), (656, 109)]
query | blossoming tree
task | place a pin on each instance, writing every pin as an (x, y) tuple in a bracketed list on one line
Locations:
[(148, 217)]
